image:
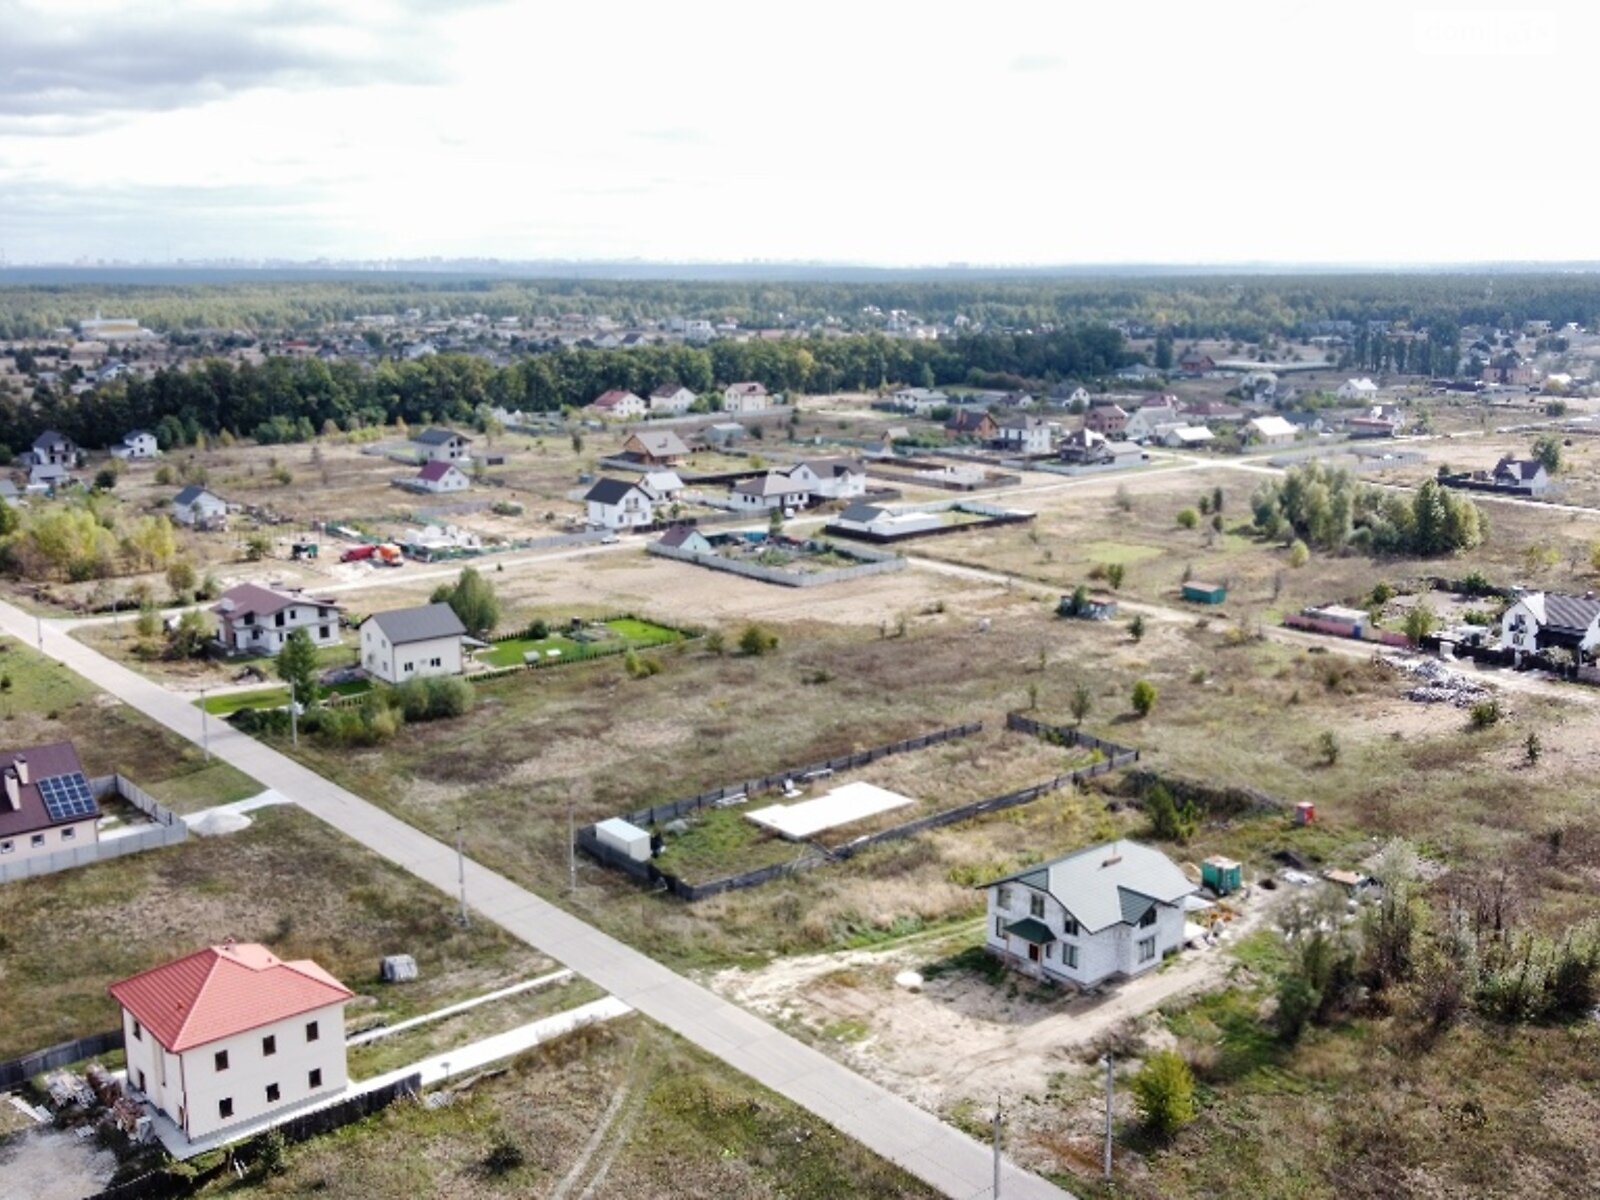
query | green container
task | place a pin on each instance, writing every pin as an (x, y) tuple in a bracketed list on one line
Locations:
[(1221, 875), (1205, 593)]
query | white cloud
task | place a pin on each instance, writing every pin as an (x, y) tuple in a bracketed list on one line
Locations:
[(887, 132)]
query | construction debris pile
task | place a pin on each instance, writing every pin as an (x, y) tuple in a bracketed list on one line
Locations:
[(1437, 684)]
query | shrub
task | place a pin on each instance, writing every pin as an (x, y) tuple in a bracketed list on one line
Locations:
[(1136, 627), (1420, 622), (716, 643), (538, 629), (1299, 554), (1163, 1091), (1485, 713), (1328, 747), (1115, 573), (756, 641), (1170, 820), (1144, 697), (1188, 518)]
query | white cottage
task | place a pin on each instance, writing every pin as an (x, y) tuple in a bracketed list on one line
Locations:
[(136, 444), (1111, 910), (252, 619), (409, 643), (619, 504), (200, 509), (231, 1034), (1538, 621)]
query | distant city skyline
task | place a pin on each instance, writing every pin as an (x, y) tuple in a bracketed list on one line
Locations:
[(891, 135)]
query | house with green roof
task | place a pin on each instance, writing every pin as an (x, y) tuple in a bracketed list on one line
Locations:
[(1116, 909)]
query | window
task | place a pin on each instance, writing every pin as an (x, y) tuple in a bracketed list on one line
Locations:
[(1069, 957), (326, 633), (436, 662), (272, 1093), (225, 1107), (269, 1045), (138, 1036), (1069, 927), (1003, 899), (410, 667), (278, 620), (37, 839), (312, 1033), (1148, 919), (1147, 949), (1000, 928), (1036, 906), (314, 1079), (222, 1060), (142, 1082), (70, 832), (7, 846)]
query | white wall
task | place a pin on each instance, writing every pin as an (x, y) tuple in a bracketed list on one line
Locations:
[(269, 637), (413, 660), (1111, 951), (60, 837)]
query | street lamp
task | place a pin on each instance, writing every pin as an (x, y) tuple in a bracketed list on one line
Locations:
[(205, 725)]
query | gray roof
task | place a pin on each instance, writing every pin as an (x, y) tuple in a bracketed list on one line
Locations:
[(419, 624), (192, 493), (1109, 884), (612, 491), (1563, 611), (437, 437), (863, 512)]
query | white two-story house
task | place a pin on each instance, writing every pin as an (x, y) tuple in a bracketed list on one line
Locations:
[(252, 619), (409, 643), (137, 443), (1111, 910), (619, 504), (441, 445), (671, 398), (199, 508), (745, 398), (1538, 621), (230, 1034)]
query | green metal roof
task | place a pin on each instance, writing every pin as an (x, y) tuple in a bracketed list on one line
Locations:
[(1031, 930)]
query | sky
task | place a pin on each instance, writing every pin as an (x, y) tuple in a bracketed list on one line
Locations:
[(1000, 132)]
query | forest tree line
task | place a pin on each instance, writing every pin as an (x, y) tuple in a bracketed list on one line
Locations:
[(288, 399)]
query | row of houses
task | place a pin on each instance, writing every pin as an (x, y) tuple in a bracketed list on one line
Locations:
[(620, 504), (619, 404)]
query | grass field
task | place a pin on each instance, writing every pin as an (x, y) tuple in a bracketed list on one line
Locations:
[(673, 1122), (288, 881), (45, 702), (232, 702), (627, 633)]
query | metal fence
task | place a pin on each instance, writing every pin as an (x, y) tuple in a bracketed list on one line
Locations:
[(347, 1112), (1114, 757), (20, 1070), (165, 829), (872, 563)]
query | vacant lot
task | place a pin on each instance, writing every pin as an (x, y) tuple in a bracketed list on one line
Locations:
[(623, 1109), (288, 881), (41, 701)]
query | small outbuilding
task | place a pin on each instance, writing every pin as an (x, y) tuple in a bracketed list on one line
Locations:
[(625, 837), (1204, 593), (1222, 875)]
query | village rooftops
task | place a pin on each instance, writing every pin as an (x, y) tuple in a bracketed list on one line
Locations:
[(1115, 882), (422, 623), (224, 990), (57, 803)]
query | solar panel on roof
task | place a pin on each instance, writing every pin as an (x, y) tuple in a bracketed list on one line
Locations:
[(67, 797)]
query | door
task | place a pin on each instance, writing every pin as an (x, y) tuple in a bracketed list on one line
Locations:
[(1033, 952)]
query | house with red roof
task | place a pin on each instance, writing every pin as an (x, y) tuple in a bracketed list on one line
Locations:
[(252, 619), (619, 405), (230, 1034), (439, 478)]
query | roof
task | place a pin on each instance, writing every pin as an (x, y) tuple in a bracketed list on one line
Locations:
[(1521, 468), (435, 471), (422, 623), (668, 390), (966, 418), (192, 493), (613, 397), (1559, 610), (864, 513), (679, 534), (222, 991), (43, 762), (1022, 421), (612, 491), (251, 599), (824, 467), (1272, 427), (659, 443), (773, 483), (438, 437), (1104, 885), (747, 389), (50, 438), (1030, 929)]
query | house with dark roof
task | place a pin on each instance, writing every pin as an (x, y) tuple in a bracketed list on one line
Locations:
[(136, 444), (619, 504), (199, 508), (1536, 622), (1197, 364), (231, 1034), (686, 537), (441, 445), (45, 805), (972, 423), (775, 489), (52, 449), (830, 478), (252, 619), (410, 643), (1524, 475), (1116, 909), (1021, 433)]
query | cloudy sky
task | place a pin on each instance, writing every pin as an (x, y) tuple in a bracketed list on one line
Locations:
[(876, 131)]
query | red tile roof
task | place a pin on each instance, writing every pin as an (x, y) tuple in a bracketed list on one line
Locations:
[(435, 471), (224, 990)]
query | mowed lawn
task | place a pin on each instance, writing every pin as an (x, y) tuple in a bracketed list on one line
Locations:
[(288, 881), (630, 633), (276, 697)]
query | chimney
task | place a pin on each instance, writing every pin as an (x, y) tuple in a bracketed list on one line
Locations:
[(21, 765), (13, 791)]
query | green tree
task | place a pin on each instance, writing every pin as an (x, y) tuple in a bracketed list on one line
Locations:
[(472, 599), (1547, 450), (181, 579), (1420, 622), (1136, 627), (297, 666), (1115, 573), (1163, 1092), (1328, 747), (189, 636), (1082, 701), (1188, 518), (1299, 554), (1163, 352), (1170, 820), (1144, 697), (1216, 499), (756, 641)]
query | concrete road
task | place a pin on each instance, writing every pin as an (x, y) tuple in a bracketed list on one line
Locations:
[(891, 1127)]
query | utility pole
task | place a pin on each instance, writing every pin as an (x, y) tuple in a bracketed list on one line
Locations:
[(1106, 1062), (572, 853), (205, 726), (999, 1122), (116, 620), (294, 719), (461, 873), (38, 622)]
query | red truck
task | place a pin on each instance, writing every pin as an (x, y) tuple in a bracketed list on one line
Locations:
[(357, 553)]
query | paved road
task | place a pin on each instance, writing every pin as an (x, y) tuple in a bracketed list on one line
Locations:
[(892, 1127)]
